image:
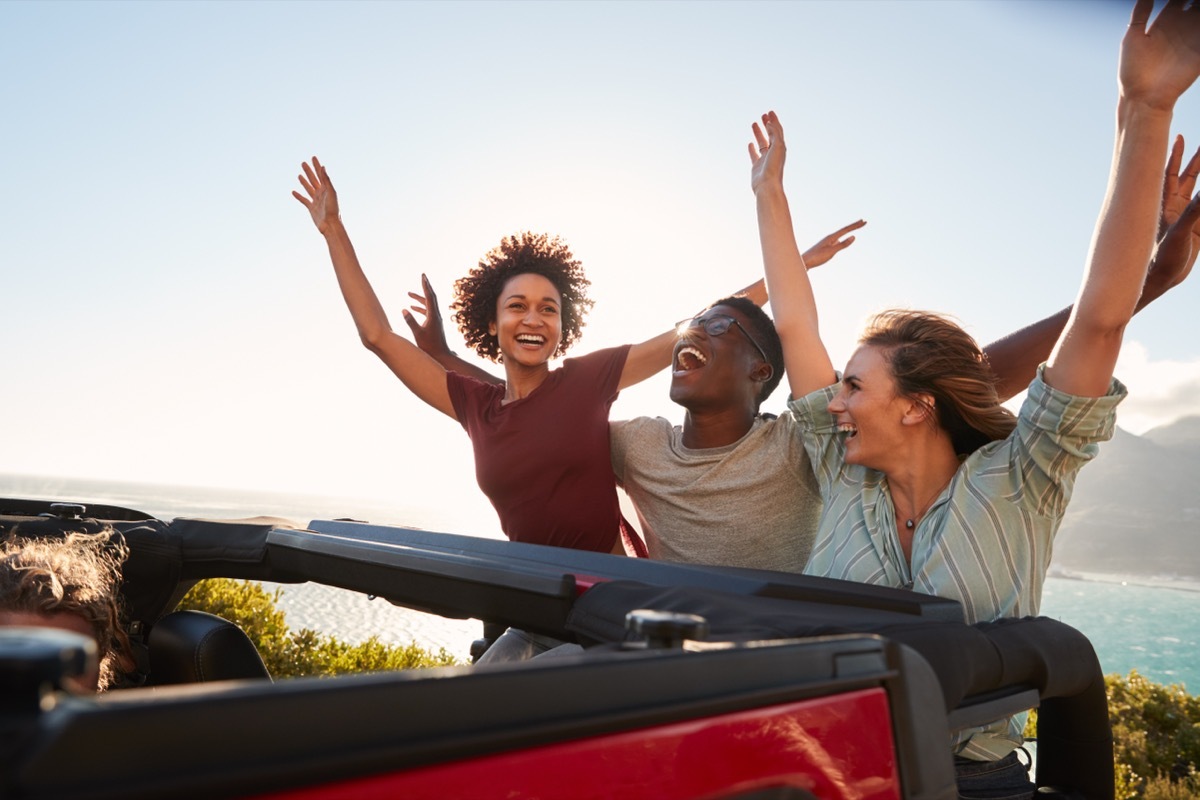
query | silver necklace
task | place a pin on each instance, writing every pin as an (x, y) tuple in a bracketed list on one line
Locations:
[(911, 522)]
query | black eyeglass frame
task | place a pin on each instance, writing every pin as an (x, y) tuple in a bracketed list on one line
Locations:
[(718, 325)]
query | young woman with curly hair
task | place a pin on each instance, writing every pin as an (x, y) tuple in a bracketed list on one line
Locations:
[(540, 437), (927, 483), (477, 294)]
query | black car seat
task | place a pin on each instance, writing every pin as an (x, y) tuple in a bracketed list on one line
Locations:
[(193, 646)]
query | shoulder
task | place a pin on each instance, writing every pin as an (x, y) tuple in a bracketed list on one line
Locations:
[(597, 359), (637, 442), (626, 430), (783, 430), (460, 385), (812, 410), (603, 365)]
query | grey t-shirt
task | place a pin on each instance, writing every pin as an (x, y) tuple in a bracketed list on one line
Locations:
[(753, 503)]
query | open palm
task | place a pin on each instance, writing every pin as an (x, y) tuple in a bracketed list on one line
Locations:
[(321, 201), (767, 152), (1159, 63)]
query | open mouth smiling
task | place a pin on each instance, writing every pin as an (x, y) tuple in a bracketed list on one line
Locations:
[(533, 339), (848, 428), (688, 358)]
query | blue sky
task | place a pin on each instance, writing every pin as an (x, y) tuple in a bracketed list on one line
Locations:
[(172, 314)]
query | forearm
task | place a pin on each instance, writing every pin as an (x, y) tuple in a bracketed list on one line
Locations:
[(1162, 277), (1084, 357), (452, 363), (1128, 222), (792, 299), (755, 292), (1014, 358), (369, 316), (786, 278), (647, 358)]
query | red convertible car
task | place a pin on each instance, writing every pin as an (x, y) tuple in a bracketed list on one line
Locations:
[(693, 682)]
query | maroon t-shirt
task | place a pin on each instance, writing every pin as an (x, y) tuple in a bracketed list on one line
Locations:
[(544, 460)]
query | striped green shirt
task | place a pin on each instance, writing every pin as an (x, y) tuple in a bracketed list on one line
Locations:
[(987, 539)]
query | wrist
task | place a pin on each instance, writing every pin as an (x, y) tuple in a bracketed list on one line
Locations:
[(332, 226), (770, 190), (1155, 286), (1142, 107)]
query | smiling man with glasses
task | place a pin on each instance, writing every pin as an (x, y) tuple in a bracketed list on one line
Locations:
[(730, 485)]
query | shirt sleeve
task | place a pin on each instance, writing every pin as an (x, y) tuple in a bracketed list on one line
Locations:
[(601, 369), (1057, 433), (467, 395), (825, 448)]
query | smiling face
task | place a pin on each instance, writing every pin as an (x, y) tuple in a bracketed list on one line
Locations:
[(869, 411), (716, 372), (528, 324)]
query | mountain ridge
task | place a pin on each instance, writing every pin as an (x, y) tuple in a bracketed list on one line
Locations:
[(1135, 509)]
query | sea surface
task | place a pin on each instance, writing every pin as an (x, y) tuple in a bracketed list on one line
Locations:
[(1134, 622)]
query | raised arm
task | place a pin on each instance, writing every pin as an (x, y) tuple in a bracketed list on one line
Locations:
[(1015, 357), (653, 355), (804, 355), (420, 373), (1157, 65)]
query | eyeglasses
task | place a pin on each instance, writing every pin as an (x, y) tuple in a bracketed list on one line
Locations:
[(717, 325)]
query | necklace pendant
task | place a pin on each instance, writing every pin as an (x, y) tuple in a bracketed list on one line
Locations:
[(908, 523)]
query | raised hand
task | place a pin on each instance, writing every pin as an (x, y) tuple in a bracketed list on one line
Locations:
[(429, 334), (831, 245), (1160, 62), (322, 202), (767, 153), (1177, 186), (1178, 227)]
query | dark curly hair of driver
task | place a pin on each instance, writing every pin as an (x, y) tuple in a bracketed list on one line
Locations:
[(77, 574), (475, 295)]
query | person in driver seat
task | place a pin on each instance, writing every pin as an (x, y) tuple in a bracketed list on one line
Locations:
[(72, 583)]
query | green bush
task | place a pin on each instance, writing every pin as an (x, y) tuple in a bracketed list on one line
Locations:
[(293, 654), (1156, 738), (1156, 733)]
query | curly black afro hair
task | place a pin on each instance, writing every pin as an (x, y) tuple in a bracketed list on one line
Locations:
[(475, 295)]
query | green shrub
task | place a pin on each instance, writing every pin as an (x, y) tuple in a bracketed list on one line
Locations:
[(1156, 738), (293, 654), (1156, 733), (1161, 788)]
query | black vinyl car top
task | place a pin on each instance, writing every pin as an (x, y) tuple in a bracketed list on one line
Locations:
[(826, 636)]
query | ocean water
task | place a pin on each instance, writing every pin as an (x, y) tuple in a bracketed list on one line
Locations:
[(1154, 629)]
